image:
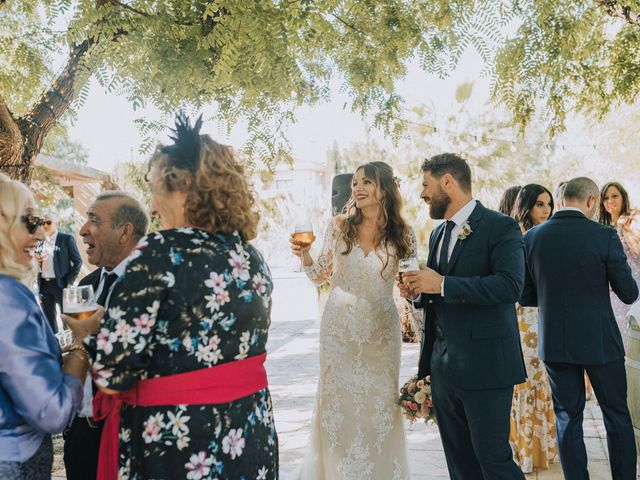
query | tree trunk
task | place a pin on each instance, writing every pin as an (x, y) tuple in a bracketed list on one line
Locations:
[(21, 138), (11, 143)]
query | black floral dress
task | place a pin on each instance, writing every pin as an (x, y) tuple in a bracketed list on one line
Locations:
[(189, 300)]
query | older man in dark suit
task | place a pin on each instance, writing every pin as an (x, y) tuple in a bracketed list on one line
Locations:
[(60, 263), (116, 221), (571, 264), (471, 344)]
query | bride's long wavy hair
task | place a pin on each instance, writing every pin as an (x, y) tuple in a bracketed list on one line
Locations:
[(393, 230)]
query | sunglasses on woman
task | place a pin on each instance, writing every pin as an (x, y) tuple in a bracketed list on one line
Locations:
[(32, 222)]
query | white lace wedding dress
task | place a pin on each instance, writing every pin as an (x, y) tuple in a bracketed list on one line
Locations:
[(357, 430)]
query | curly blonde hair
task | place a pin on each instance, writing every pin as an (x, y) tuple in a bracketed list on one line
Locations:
[(218, 195), (15, 200)]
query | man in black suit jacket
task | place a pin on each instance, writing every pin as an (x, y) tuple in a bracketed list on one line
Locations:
[(60, 263), (471, 344), (116, 222), (571, 263)]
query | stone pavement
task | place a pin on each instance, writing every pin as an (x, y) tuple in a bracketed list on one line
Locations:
[(293, 366)]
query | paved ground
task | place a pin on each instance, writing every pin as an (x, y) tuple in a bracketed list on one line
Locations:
[(293, 366)]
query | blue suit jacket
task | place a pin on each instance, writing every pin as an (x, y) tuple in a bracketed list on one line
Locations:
[(483, 281), (67, 261), (571, 262)]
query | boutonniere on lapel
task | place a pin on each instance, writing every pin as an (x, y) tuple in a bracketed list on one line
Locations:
[(465, 232)]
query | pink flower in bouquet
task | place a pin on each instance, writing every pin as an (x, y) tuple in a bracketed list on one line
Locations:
[(411, 388), (414, 406), (420, 384)]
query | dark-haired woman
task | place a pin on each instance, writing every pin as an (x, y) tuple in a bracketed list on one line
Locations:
[(533, 430), (179, 356), (615, 211), (357, 430), (508, 199)]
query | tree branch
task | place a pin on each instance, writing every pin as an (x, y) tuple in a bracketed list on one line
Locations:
[(349, 25), (137, 11), (623, 12), (53, 104), (130, 8)]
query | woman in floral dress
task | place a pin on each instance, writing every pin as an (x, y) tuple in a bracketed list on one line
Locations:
[(533, 430), (194, 296), (615, 211)]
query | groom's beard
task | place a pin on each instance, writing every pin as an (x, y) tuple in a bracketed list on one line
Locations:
[(438, 205)]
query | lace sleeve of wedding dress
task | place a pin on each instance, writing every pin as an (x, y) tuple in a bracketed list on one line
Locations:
[(413, 243), (320, 270)]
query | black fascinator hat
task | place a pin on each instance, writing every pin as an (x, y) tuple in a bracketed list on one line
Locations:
[(184, 154)]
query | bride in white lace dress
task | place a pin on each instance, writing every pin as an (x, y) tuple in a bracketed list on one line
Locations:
[(357, 429)]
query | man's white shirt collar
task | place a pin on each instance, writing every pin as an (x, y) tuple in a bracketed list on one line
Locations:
[(464, 213), (118, 270), (53, 238)]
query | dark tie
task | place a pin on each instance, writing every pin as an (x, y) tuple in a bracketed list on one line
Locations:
[(443, 260), (108, 281)]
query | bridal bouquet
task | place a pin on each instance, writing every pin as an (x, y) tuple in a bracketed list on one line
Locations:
[(415, 400)]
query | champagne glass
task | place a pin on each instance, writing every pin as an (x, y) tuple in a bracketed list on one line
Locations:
[(79, 302), (407, 265)]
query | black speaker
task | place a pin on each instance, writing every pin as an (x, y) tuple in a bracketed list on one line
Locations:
[(340, 191)]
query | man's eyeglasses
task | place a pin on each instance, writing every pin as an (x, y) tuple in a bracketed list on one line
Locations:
[(32, 223)]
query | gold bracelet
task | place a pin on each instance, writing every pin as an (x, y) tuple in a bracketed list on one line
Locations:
[(84, 358), (78, 347)]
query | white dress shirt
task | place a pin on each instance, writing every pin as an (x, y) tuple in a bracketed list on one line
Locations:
[(86, 409), (119, 271), (48, 252), (459, 219)]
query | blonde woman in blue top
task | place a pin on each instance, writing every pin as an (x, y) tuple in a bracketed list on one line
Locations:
[(39, 391)]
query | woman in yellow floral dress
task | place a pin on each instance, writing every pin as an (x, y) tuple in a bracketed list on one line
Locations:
[(533, 429)]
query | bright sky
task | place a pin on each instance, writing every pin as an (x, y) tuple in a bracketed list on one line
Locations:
[(105, 123)]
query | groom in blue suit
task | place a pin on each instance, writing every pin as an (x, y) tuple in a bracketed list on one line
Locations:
[(471, 344), (571, 263)]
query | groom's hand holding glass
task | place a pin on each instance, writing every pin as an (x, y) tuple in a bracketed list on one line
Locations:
[(405, 291), (423, 281)]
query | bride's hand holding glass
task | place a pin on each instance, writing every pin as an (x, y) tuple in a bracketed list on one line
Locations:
[(301, 241)]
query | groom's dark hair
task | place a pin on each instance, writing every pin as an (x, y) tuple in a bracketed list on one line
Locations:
[(452, 164)]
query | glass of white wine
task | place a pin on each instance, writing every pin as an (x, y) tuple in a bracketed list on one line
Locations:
[(79, 302), (407, 265)]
